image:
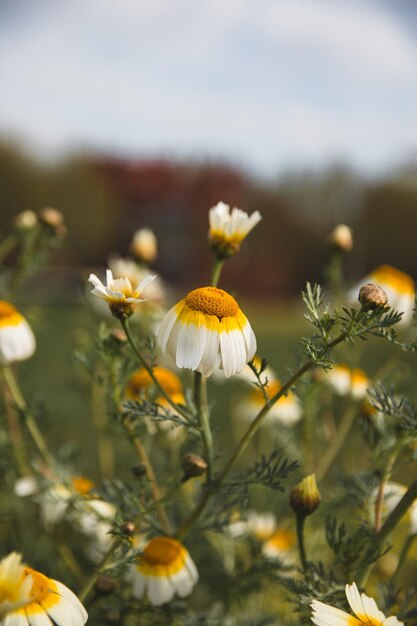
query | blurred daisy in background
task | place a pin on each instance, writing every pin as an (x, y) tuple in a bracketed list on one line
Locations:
[(140, 386), (287, 410), (345, 381), (162, 570), (398, 286), (364, 608), (17, 341), (207, 331)]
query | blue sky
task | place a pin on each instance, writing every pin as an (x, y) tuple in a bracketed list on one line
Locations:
[(268, 84)]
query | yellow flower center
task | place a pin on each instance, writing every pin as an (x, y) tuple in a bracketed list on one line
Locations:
[(282, 540), (162, 557), (401, 282), (9, 316), (212, 301), (40, 585), (82, 485)]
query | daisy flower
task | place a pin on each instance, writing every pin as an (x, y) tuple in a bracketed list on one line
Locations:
[(119, 293), (398, 286), (261, 526), (228, 230), (287, 410), (280, 546), (27, 597), (364, 608), (128, 268), (162, 570), (347, 381), (206, 331), (17, 341)]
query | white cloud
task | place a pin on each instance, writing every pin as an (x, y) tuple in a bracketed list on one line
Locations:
[(268, 83)]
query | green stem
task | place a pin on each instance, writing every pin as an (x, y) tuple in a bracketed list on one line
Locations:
[(174, 405), (217, 270), (98, 571), (390, 523), (28, 417), (245, 440), (300, 520), (104, 440), (408, 543), (333, 450), (150, 475), (7, 246), (200, 399)]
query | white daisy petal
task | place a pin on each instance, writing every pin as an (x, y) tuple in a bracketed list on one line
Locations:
[(39, 618)]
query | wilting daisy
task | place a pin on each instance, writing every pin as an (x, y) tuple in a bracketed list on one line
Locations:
[(206, 331), (162, 570), (128, 268), (17, 341), (398, 286), (364, 607), (228, 230), (287, 410), (119, 293), (27, 597)]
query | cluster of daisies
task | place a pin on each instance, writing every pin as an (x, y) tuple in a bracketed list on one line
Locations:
[(206, 331)]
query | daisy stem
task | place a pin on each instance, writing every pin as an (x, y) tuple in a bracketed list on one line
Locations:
[(200, 400), (408, 543), (245, 440), (28, 417), (390, 523), (174, 405), (217, 270), (300, 540), (333, 450), (7, 246), (98, 571), (150, 475), (16, 435)]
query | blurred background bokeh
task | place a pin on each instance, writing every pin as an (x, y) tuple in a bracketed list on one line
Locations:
[(128, 114)]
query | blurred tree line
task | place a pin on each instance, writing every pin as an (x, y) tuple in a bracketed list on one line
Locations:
[(104, 199)]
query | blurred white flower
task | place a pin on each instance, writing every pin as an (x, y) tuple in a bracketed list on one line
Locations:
[(287, 410), (17, 341)]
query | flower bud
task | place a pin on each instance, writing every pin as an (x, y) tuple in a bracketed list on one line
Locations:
[(128, 528), (372, 297), (26, 220), (305, 497), (53, 219), (144, 246), (341, 238), (193, 465)]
